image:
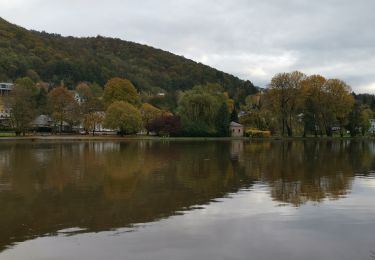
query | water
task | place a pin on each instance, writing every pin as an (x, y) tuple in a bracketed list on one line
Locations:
[(187, 200)]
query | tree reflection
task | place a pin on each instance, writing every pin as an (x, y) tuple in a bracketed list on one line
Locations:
[(46, 187)]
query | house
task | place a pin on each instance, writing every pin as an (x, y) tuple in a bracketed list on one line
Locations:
[(236, 129), (44, 123), (4, 110), (5, 88), (372, 126)]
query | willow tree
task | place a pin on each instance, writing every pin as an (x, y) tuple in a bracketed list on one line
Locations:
[(124, 117), (200, 110)]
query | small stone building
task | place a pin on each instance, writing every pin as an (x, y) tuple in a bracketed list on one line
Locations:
[(236, 129)]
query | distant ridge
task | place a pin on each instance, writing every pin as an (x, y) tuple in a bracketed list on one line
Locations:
[(53, 58)]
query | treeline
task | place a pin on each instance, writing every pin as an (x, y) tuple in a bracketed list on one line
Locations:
[(295, 104), (203, 111), (55, 59)]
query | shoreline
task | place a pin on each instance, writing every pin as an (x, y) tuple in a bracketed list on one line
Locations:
[(79, 138)]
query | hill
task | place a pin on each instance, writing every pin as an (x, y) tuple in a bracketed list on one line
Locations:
[(53, 58)]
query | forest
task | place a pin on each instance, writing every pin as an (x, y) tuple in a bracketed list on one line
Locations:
[(60, 60)]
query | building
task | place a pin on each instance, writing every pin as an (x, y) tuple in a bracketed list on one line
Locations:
[(5, 88), (236, 129), (372, 126)]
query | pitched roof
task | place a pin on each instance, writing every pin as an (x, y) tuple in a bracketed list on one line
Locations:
[(235, 124)]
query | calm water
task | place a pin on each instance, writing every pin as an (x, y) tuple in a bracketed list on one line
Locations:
[(187, 200)]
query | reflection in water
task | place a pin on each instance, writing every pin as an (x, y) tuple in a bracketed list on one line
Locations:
[(98, 186)]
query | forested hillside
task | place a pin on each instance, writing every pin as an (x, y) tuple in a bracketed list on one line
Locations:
[(53, 58)]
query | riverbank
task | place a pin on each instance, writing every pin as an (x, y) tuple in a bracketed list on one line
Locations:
[(83, 138)]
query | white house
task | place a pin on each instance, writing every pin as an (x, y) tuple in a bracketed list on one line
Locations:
[(372, 126), (5, 88)]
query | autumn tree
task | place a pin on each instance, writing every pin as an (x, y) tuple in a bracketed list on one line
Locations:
[(118, 89), (285, 98), (313, 88), (124, 117), (149, 113), (92, 120), (90, 105), (338, 102), (62, 106)]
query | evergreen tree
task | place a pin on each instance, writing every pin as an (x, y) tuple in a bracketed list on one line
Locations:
[(222, 121)]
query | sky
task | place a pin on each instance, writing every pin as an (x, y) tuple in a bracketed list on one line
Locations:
[(250, 39)]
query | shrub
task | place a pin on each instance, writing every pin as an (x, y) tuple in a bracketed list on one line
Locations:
[(255, 133)]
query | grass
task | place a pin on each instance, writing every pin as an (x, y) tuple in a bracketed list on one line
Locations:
[(7, 134)]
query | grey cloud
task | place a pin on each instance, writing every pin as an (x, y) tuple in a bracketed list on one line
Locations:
[(251, 39)]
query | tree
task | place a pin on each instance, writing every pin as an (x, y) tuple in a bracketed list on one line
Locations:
[(285, 98), (222, 121), (62, 106), (123, 116), (22, 105), (339, 102), (365, 116), (165, 124), (149, 112), (90, 105), (92, 120), (234, 116), (314, 118), (199, 108), (41, 100), (118, 89), (354, 120)]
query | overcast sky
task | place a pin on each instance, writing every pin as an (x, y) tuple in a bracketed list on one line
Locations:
[(251, 39)]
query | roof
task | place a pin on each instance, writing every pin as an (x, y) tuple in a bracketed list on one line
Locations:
[(6, 86), (235, 124), (42, 120)]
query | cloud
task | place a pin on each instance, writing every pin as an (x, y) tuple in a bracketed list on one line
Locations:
[(251, 39)]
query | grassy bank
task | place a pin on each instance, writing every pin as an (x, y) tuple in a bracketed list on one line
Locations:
[(63, 138)]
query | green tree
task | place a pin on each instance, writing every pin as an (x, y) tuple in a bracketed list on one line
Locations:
[(364, 118), (118, 89), (41, 101), (222, 121), (199, 107), (22, 105), (123, 116)]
